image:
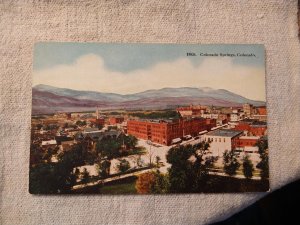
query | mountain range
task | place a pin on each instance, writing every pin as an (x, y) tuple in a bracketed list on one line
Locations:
[(49, 99)]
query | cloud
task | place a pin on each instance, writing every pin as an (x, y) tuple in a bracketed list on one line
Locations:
[(89, 73)]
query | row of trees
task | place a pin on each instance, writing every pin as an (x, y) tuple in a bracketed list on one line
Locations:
[(190, 170), (157, 115), (231, 164)]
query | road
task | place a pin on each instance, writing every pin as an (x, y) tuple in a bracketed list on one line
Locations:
[(79, 186)]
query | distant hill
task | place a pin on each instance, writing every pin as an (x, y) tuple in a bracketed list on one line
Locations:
[(48, 99)]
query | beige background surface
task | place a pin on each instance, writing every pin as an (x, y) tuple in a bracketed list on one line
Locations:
[(22, 23)]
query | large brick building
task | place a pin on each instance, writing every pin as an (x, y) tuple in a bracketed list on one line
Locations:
[(247, 141), (253, 128), (115, 120), (164, 131), (192, 110)]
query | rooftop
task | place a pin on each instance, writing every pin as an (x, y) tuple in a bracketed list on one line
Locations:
[(155, 120), (50, 142), (224, 133), (91, 129), (250, 137)]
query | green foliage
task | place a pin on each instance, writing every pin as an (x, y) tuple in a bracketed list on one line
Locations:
[(247, 167), (263, 165), (74, 157), (157, 115), (181, 167), (50, 127), (115, 113), (57, 177), (39, 126), (157, 160), (85, 176), (51, 178), (112, 128), (123, 165), (109, 147), (77, 172), (130, 141), (190, 167), (201, 167), (36, 154), (104, 168), (230, 162), (80, 123), (91, 157), (161, 183), (99, 126)]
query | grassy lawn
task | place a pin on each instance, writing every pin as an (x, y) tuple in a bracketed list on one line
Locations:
[(122, 186), (215, 184), (127, 188)]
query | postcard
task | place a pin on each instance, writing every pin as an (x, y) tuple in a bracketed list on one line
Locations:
[(148, 119)]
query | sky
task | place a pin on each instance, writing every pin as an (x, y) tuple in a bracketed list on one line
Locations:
[(132, 68)]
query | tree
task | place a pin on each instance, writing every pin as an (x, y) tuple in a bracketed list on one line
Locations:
[(247, 167), (157, 159), (51, 178), (36, 154), (152, 182), (99, 126), (145, 182), (75, 156), (161, 184), (130, 141), (77, 172), (104, 168), (80, 123), (201, 167), (108, 147), (85, 176), (230, 162), (263, 165), (123, 165), (48, 155), (180, 171)]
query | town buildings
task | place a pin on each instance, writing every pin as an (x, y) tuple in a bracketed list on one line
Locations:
[(222, 140), (116, 120), (252, 127), (164, 131), (192, 110), (248, 109)]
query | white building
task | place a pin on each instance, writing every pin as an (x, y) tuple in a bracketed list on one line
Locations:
[(210, 115), (48, 143), (221, 140), (234, 117)]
